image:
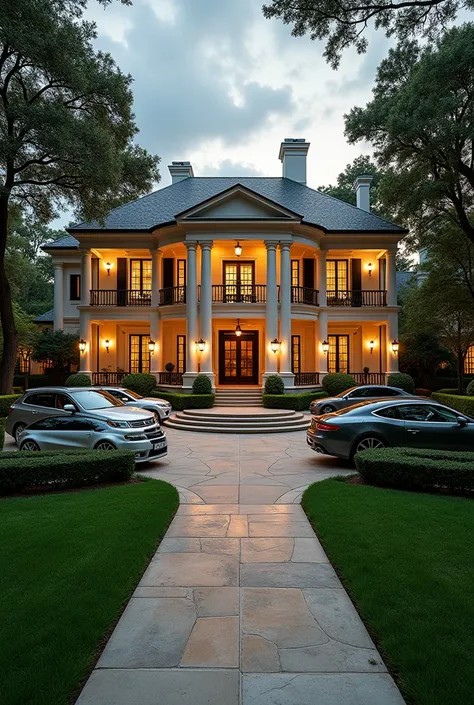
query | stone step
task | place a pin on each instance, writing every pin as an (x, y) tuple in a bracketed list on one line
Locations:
[(213, 415), (213, 421), (208, 428)]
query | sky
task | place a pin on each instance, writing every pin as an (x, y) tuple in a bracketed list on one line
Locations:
[(219, 85)]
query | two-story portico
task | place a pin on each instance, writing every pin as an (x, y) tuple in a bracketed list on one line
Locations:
[(237, 278)]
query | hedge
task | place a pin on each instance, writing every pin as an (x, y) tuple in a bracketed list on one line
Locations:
[(140, 383), (2, 433), (6, 401), (417, 468), (186, 401), (297, 402), (62, 469), (465, 405)]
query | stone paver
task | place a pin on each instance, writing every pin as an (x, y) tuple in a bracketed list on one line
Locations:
[(240, 604)]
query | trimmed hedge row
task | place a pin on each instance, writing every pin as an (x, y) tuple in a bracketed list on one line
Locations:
[(63, 469), (6, 401), (186, 401), (417, 468), (296, 402), (2, 433), (465, 405)]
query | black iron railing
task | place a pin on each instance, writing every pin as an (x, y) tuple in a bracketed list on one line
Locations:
[(368, 377), (172, 378), (106, 378), (239, 293), (304, 295), (356, 298), (306, 378), (119, 297), (172, 295)]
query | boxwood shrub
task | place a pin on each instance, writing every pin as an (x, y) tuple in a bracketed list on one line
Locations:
[(202, 385), (186, 401), (403, 381), (274, 385), (63, 469), (465, 405), (79, 379), (337, 382), (140, 382), (417, 468), (470, 389), (297, 402), (6, 401)]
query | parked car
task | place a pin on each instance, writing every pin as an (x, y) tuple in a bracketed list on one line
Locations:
[(160, 406), (390, 422), (354, 395), (81, 431)]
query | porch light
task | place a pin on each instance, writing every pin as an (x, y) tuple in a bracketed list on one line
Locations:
[(371, 346), (201, 344), (107, 345), (82, 346), (238, 329), (275, 345), (151, 347), (325, 347), (108, 266), (395, 346), (370, 267), (238, 249)]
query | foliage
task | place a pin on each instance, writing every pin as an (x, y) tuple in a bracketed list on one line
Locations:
[(140, 383), (186, 401), (59, 347), (470, 389), (27, 331), (202, 385), (80, 379), (169, 367), (417, 468), (343, 23), (60, 469), (463, 404), (35, 381), (2, 433), (298, 402), (274, 385), (344, 190), (6, 401), (402, 381), (422, 354), (337, 382)]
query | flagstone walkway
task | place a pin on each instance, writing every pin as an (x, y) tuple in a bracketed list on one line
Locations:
[(240, 604)]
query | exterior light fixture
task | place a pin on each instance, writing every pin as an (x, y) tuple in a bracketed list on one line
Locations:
[(325, 347), (151, 347), (238, 329), (201, 344), (370, 267), (238, 249), (82, 346), (108, 266), (275, 345), (107, 345), (395, 346), (371, 346)]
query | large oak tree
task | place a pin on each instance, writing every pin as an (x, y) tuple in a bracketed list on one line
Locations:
[(66, 129)]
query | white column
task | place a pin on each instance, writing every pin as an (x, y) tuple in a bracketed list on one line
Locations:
[(155, 334), (156, 256), (86, 277), (322, 336), (206, 308), (58, 296), (285, 314), (392, 334), (322, 278), (85, 333), (391, 278), (271, 317), (191, 316)]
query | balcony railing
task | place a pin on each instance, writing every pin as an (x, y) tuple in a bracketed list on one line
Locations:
[(357, 298), (172, 295), (306, 379), (368, 377), (107, 378), (239, 294), (172, 378), (119, 297), (304, 295)]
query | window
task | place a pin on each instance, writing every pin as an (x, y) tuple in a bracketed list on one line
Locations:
[(181, 353), (239, 278), (336, 275), (24, 365), (469, 362), (338, 357), (140, 274), (44, 366), (62, 399), (391, 412), (90, 400), (139, 356), (295, 272), (181, 272), (75, 287), (296, 354), (428, 413), (45, 399)]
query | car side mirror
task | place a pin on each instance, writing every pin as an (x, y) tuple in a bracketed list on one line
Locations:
[(461, 421), (69, 407), (124, 399)]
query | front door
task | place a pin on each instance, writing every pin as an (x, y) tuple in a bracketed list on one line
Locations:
[(338, 358), (139, 358), (239, 282), (238, 357)]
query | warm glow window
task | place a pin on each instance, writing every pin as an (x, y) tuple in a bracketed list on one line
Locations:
[(296, 354), (338, 357), (469, 362), (336, 275), (295, 272), (181, 353), (139, 353), (140, 274)]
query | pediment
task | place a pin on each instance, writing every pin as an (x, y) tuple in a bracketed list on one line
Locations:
[(238, 204)]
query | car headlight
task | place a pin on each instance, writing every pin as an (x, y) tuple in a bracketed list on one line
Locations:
[(135, 437), (118, 424)]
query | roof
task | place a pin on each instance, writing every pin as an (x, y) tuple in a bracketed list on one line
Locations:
[(47, 317), (161, 207), (65, 242)]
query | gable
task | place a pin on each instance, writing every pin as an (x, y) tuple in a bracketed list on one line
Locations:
[(238, 204)]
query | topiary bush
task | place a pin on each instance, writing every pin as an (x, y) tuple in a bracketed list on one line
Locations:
[(186, 401), (80, 379), (6, 401), (403, 381), (274, 385), (202, 385), (140, 383), (297, 402), (337, 382), (465, 405), (470, 389)]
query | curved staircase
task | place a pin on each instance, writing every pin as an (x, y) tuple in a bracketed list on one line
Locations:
[(238, 420)]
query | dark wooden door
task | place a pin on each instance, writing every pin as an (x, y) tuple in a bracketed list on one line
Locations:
[(238, 357)]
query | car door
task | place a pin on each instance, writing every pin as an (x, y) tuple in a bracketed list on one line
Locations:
[(355, 397), (433, 426), (38, 405), (67, 432), (390, 425)]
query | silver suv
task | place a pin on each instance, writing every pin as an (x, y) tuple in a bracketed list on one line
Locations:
[(154, 404)]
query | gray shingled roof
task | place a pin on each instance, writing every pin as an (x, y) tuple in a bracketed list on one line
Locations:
[(47, 317), (161, 207), (65, 242)]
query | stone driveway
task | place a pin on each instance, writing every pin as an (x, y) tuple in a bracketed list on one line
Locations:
[(240, 603)]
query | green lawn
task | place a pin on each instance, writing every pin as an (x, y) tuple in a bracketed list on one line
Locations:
[(69, 563), (407, 561)]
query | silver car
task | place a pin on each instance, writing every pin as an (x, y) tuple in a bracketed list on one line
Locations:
[(80, 431), (355, 395), (159, 406)]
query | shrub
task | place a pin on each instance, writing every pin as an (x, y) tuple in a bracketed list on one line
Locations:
[(403, 381), (186, 401), (417, 468), (470, 389), (80, 379), (169, 367), (465, 405), (274, 385), (62, 469), (6, 401), (297, 402), (202, 385), (2, 433), (337, 382), (140, 383)]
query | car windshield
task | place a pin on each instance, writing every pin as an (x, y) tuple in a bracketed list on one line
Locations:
[(343, 394), (355, 407), (96, 399), (133, 394)]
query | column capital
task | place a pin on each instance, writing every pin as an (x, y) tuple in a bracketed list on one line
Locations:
[(85, 251), (58, 265), (206, 244), (155, 251), (391, 251), (271, 244), (321, 254), (285, 244), (191, 246)]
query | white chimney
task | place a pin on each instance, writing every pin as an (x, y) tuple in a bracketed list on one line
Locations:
[(362, 189), (180, 171), (293, 157)]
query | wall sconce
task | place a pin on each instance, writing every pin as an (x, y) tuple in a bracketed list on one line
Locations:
[(325, 347), (395, 346), (370, 267), (151, 347), (238, 249), (275, 345), (201, 344), (82, 346), (108, 266), (238, 329), (107, 345), (371, 346)]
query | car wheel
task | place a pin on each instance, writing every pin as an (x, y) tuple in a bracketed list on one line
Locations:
[(105, 445), (19, 428), (29, 445), (327, 409), (368, 443)]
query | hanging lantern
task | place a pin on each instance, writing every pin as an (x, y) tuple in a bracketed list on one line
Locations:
[(238, 249), (238, 329)]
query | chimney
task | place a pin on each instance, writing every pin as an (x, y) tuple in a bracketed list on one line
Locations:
[(293, 157), (180, 171), (362, 189)]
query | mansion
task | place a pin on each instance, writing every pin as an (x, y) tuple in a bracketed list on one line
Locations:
[(234, 277)]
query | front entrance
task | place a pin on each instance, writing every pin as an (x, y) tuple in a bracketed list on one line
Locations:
[(238, 357), (139, 354), (338, 358)]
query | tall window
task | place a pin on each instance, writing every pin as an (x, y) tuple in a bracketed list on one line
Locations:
[(336, 275), (181, 272), (295, 272), (469, 362), (75, 287), (139, 353), (140, 274), (181, 353), (338, 358), (296, 354), (238, 281)]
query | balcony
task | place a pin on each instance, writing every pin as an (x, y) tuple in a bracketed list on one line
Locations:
[(304, 295), (172, 295), (119, 297), (239, 294), (357, 298)]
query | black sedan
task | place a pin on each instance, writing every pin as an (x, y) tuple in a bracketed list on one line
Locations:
[(354, 395)]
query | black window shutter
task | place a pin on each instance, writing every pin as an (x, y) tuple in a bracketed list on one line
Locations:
[(121, 281), (168, 272), (308, 272), (75, 287), (356, 282)]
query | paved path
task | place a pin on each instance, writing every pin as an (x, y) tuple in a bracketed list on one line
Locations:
[(240, 604)]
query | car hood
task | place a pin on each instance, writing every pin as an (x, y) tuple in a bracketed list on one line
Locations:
[(325, 400), (155, 400), (124, 413)]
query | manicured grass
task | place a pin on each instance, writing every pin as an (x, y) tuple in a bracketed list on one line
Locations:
[(407, 562), (69, 563)]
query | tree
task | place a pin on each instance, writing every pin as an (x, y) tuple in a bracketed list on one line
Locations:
[(342, 23), (422, 354), (61, 348), (66, 129), (421, 123)]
